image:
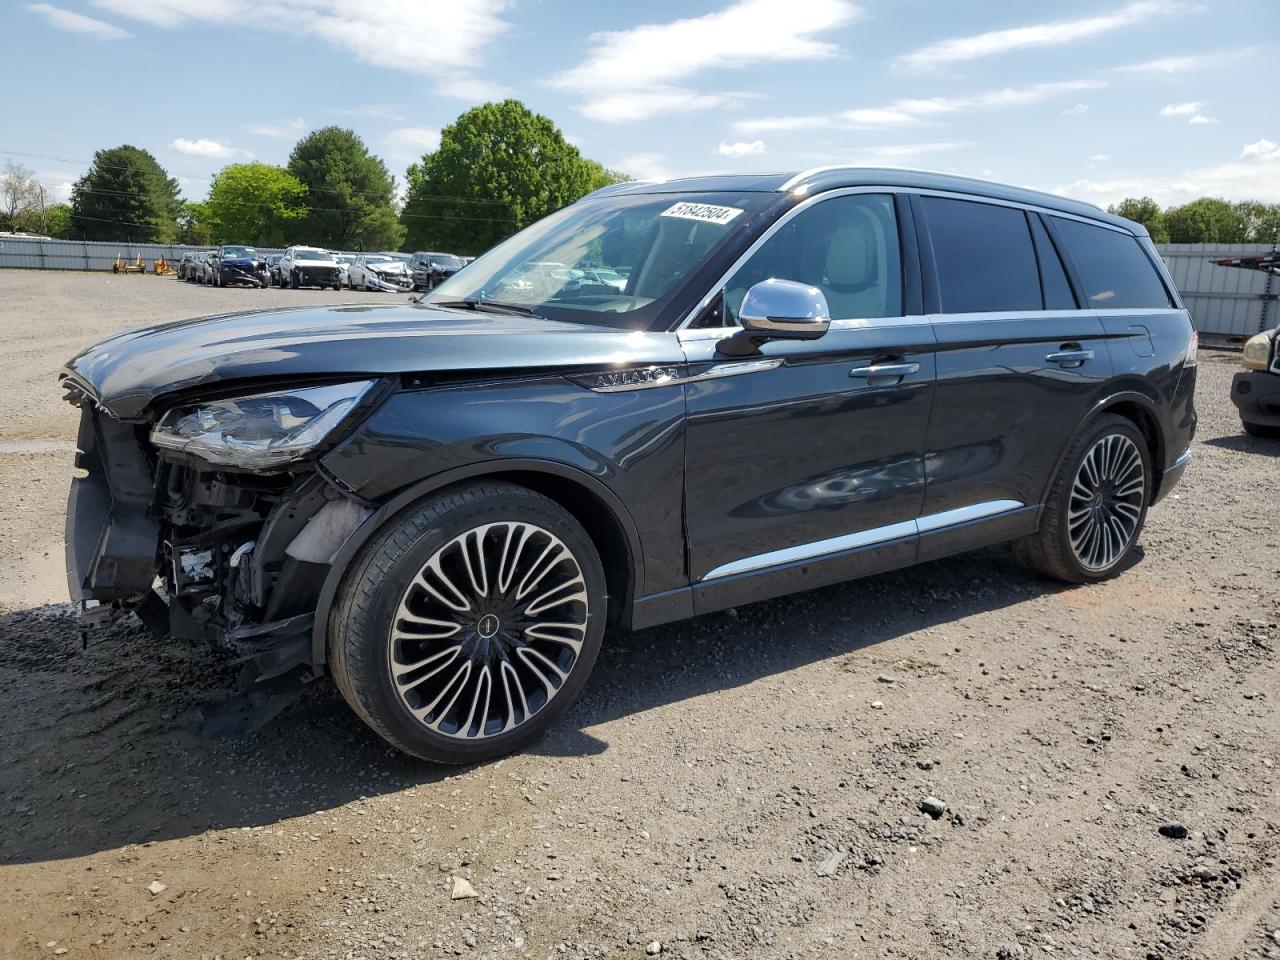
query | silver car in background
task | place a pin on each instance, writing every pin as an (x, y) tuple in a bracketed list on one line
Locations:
[(377, 271)]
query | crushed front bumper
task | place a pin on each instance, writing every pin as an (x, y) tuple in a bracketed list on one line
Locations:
[(243, 273), (317, 276), (401, 283)]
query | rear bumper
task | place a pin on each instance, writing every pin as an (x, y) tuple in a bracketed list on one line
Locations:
[(1256, 394)]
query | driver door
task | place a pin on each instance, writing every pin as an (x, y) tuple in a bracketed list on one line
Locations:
[(805, 463)]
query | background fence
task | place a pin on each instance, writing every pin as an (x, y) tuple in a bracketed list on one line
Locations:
[(31, 254), (1227, 304)]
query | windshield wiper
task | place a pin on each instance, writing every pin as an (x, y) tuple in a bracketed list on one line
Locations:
[(487, 306)]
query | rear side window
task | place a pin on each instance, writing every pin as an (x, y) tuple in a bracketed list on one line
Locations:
[(1112, 266), (1057, 291), (983, 256)]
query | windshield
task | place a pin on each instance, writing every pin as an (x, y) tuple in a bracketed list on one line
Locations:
[(449, 262), (618, 261), (236, 253), (306, 253), (372, 260)]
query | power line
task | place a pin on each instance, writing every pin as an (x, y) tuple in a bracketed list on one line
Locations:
[(260, 204), (120, 166)]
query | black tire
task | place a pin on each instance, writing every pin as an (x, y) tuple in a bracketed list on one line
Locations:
[(1062, 547), (1266, 431), (368, 620)]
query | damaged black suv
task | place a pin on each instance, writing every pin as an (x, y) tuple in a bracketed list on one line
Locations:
[(663, 400)]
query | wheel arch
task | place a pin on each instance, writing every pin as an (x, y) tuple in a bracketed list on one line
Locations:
[(590, 502), (1139, 409)]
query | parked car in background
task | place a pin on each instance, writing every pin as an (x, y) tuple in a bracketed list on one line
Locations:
[(431, 269), (344, 261), (308, 267), (236, 264), (185, 265), (377, 271), (273, 269), (204, 269), (1255, 390), (809, 379)]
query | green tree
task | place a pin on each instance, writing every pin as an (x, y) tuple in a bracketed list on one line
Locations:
[(57, 221), (254, 203), (1145, 211), (126, 195), (350, 195), (499, 167), (1207, 220), (1259, 221), (193, 225)]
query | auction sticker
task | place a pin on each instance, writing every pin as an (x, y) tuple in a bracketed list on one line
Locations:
[(706, 212)]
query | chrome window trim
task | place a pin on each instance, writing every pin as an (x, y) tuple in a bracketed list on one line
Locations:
[(759, 241), (732, 369), (930, 523)]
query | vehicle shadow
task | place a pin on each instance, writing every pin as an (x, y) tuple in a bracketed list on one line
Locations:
[(1242, 442), (107, 737)]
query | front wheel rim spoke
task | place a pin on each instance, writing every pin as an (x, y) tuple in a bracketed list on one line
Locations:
[(472, 656)]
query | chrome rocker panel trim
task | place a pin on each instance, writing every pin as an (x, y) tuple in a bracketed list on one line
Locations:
[(866, 538)]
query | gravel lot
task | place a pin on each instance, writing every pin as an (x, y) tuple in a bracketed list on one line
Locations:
[(962, 759)]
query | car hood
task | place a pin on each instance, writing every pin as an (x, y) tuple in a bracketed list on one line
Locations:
[(133, 372)]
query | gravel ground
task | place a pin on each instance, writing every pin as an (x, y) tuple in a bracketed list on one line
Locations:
[(962, 759)]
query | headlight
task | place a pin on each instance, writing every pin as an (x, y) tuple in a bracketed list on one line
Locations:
[(1257, 352), (258, 432)]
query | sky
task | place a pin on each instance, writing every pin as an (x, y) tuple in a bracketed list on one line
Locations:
[(1171, 99)]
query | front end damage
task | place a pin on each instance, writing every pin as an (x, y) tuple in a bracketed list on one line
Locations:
[(390, 281), (250, 272), (201, 553)]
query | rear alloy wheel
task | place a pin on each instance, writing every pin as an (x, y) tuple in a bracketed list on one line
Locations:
[(1096, 506), (471, 624)]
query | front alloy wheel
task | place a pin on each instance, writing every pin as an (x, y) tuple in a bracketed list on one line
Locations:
[(469, 624)]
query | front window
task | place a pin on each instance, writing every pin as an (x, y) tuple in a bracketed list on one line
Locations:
[(448, 262), (618, 261), (305, 253), (372, 260), (239, 253)]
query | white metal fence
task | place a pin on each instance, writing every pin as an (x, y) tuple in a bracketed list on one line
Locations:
[(28, 253), (1229, 304)]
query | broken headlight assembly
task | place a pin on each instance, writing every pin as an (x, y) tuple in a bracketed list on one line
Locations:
[(260, 432)]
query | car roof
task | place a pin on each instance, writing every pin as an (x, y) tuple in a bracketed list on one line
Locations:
[(820, 179)]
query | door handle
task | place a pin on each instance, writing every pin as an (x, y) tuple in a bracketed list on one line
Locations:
[(1070, 358), (879, 370)]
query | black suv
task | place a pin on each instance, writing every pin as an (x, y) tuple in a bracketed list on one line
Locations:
[(235, 264), (803, 380), (431, 269)]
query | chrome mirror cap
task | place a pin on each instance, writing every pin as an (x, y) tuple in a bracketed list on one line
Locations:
[(785, 310)]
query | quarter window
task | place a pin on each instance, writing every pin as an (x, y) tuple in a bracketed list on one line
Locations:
[(1113, 267), (846, 246), (983, 256), (1057, 291)]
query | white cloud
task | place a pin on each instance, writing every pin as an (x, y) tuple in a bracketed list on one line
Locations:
[(638, 73), (1263, 149), (398, 34), (408, 144), (1079, 110), (1036, 35), (645, 166), (474, 89), (1166, 65), (743, 148), (906, 113), (285, 131), (1190, 110), (1099, 157), (1255, 175), (78, 23), (204, 147)]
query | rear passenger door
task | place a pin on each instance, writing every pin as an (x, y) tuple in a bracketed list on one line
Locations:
[(1019, 366)]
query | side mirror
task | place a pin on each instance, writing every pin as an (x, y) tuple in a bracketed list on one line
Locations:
[(778, 310)]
